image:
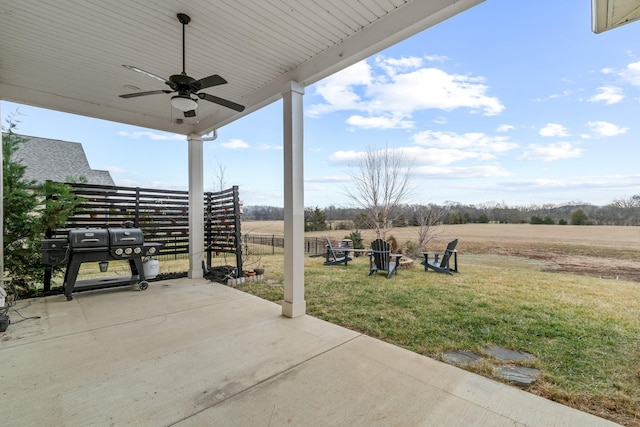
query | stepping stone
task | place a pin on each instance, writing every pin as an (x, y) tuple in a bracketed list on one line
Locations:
[(507, 355), (460, 357), (520, 376)]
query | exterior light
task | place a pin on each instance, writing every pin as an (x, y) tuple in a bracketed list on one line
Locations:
[(183, 103)]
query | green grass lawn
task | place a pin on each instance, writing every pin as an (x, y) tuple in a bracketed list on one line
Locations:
[(582, 330)]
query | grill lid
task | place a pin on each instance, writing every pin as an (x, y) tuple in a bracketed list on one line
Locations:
[(126, 237), (88, 238)]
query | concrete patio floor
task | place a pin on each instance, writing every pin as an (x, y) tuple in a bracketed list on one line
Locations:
[(192, 353)]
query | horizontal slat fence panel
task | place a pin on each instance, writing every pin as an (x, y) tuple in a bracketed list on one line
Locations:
[(163, 216)]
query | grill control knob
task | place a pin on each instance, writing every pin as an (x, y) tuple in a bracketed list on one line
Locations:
[(137, 250), (152, 250), (128, 251), (118, 251)]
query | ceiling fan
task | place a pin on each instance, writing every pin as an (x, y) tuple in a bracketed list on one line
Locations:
[(187, 87)]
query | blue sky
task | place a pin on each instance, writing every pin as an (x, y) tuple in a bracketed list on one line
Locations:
[(509, 102)]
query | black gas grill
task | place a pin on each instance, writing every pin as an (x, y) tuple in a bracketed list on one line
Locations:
[(99, 244)]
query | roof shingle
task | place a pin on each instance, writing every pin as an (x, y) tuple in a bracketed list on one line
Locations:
[(56, 160)]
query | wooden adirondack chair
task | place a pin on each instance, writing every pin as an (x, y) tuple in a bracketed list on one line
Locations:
[(381, 258), (442, 266), (333, 256)]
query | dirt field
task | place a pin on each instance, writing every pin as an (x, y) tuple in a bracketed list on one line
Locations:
[(601, 251)]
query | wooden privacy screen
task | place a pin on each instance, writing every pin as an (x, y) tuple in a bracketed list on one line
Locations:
[(163, 216)]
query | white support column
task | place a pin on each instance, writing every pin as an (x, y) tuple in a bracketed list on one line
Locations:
[(2, 214), (196, 206), (294, 303)]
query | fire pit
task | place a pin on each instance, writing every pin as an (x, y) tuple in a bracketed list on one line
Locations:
[(99, 245)]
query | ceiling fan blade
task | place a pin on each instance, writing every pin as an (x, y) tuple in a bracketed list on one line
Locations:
[(206, 82), (151, 92), (146, 73), (221, 101), (190, 113)]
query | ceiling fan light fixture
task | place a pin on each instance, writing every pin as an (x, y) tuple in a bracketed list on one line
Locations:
[(183, 103)]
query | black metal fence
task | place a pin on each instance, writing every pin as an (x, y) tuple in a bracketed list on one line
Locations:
[(271, 244)]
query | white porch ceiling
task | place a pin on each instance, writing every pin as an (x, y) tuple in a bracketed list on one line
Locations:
[(609, 14), (67, 55)]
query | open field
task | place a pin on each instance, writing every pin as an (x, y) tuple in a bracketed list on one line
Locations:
[(601, 251), (568, 295), (606, 236)]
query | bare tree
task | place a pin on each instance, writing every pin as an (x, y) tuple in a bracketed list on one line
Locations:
[(427, 219), (627, 209), (220, 179), (628, 203), (381, 183)]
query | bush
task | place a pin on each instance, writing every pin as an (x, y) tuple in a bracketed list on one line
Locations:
[(29, 210), (356, 238), (342, 225), (316, 221), (411, 248), (578, 217), (393, 242), (362, 222)]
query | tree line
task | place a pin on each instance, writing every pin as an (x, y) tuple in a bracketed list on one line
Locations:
[(618, 212)]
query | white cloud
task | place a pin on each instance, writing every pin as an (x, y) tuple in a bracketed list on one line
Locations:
[(328, 178), (601, 128), (444, 156), (462, 172), (608, 94), (343, 156), (562, 94), (437, 58), (154, 136), (551, 152), (631, 74), (234, 144), (337, 90), (432, 88), (392, 66), (505, 128), (554, 129), (380, 122), (266, 147), (628, 182), (473, 141), (126, 182), (439, 149), (391, 90), (115, 169)]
